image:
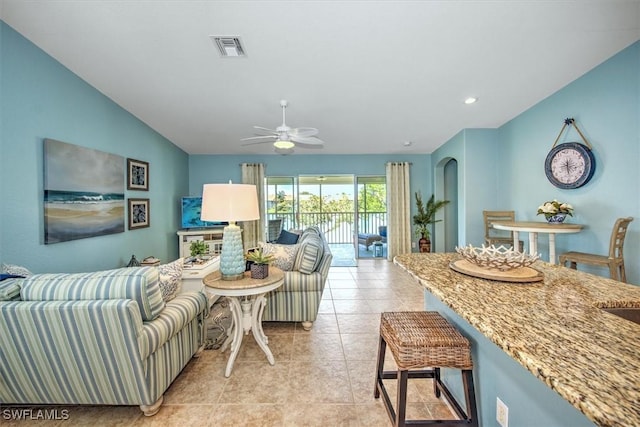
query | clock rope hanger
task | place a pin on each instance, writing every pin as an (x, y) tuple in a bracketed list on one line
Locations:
[(571, 164)]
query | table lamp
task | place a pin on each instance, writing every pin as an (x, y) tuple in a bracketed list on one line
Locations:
[(230, 203)]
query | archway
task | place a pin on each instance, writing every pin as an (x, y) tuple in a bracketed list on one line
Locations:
[(446, 188)]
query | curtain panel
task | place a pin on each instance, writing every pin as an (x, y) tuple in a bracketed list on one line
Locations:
[(398, 209), (253, 173)]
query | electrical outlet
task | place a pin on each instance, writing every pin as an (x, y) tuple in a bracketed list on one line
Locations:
[(413, 245), (502, 413)]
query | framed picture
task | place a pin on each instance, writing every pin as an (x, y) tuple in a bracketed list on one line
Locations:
[(137, 175), (139, 211), (80, 199)]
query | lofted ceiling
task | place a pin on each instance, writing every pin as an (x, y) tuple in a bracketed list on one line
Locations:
[(383, 77)]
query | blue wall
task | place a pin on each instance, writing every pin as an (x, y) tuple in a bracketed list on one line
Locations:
[(474, 150), (211, 169), (39, 98), (605, 103), (205, 169)]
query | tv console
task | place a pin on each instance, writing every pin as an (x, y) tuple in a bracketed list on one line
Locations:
[(212, 237)]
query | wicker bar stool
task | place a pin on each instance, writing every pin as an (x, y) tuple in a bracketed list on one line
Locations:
[(424, 339)]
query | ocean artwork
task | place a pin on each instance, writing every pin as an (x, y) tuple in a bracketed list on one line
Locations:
[(83, 192)]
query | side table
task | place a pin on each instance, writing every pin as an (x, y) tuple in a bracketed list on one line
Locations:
[(192, 275), (247, 299)]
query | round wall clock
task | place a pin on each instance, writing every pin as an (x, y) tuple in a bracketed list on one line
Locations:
[(570, 165)]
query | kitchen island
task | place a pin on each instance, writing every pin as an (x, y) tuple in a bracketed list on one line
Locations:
[(555, 329)]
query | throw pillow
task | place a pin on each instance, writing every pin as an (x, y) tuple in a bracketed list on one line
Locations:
[(170, 276), (16, 270), (287, 238), (10, 289), (284, 255), (309, 255)]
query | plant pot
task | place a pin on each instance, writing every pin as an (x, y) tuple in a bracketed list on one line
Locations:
[(424, 244), (259, 271), (555, 218)]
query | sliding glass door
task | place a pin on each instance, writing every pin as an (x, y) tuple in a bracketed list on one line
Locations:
[(371, 216), (343, 206)]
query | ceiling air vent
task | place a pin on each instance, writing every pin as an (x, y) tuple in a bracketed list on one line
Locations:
[(228, 45)]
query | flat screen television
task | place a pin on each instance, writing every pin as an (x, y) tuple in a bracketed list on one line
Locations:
[(191, 208)]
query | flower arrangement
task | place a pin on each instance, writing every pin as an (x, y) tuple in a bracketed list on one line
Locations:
[(555, 207)]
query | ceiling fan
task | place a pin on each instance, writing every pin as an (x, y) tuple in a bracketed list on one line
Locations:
[(284, 137)]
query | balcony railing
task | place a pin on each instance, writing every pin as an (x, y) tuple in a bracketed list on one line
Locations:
[(338, 227)]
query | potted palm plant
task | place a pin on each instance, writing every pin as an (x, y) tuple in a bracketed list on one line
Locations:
[(259, 263), (425, 217)]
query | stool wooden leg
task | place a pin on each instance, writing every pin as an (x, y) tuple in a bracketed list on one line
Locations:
[(381, 350), (470, 397), (436, 382), (401, 404)]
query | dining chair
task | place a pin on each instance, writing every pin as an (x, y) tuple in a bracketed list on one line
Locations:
[(615, 259), (498, 237)]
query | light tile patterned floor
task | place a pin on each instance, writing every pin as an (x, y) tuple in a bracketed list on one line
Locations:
[(324, 377)]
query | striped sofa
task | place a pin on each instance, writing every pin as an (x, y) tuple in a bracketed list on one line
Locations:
[(100, 338), (298, 299)]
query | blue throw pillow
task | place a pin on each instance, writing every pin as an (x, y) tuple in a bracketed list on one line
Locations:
[(287, 238), (4, 276)]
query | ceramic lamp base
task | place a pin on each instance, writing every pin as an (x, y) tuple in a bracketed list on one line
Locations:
[(232, 263)]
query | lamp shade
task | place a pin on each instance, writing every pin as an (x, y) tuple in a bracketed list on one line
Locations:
[(229, 202)]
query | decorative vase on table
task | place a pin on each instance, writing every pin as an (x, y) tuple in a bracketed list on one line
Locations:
[(557, 218)]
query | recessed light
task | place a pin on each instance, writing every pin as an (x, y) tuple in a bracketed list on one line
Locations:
[(470, 100), (407, 143)]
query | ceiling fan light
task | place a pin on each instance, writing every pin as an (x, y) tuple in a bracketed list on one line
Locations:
[(283, 145)]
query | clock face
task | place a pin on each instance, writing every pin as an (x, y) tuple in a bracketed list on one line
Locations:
[(570, 165)]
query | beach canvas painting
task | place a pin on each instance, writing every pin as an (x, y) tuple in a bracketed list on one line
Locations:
[(83, 192)]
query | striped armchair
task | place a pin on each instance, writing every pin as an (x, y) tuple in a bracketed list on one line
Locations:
[(101, 338), (298, 299)]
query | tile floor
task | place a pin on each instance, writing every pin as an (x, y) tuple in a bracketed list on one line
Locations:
[(324, 377)]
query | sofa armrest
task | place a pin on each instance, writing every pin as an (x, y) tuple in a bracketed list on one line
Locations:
[(177, 313)]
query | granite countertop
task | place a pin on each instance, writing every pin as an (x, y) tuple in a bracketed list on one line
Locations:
[(554, 328)]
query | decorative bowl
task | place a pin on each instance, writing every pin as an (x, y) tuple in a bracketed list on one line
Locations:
[(496, 258)]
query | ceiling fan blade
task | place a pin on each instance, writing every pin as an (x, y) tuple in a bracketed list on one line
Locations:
[(257, 142), (309, 140), (265, 129), (260, 137), (303, 132)]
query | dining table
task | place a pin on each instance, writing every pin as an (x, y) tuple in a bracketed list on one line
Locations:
[(535, 227)]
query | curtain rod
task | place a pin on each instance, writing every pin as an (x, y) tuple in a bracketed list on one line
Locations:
[(399, 163)]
